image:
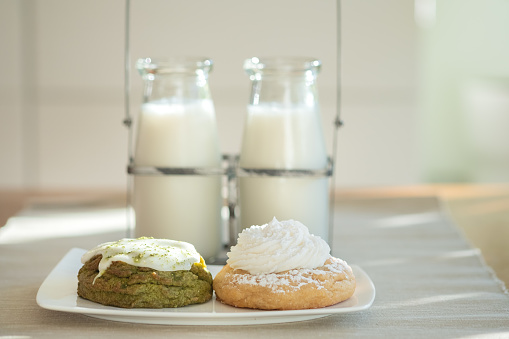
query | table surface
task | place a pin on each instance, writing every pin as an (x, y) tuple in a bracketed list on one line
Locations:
[(430, 274)]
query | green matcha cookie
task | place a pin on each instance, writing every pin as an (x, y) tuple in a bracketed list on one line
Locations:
[(129, 286)]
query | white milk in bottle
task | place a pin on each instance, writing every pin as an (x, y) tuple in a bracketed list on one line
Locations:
[(178, 129), (283, 131)]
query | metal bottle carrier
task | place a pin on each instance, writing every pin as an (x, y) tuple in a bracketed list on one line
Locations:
[(230, 169)]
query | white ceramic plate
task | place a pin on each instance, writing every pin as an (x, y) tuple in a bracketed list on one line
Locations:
[(58, 293)]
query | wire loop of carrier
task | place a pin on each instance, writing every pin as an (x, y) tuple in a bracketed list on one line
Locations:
[(269, 172), (232, 169)]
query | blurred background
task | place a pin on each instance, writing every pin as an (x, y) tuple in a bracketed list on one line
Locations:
[(424, 83)]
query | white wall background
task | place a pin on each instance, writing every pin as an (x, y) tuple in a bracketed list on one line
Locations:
[(409, 93)]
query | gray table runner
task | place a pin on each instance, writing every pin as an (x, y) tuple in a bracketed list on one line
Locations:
[(430, 283)]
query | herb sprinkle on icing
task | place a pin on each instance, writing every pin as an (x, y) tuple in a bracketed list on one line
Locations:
[(158, 254)]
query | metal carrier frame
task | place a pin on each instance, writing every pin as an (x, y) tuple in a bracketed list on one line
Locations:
[(230, 168)]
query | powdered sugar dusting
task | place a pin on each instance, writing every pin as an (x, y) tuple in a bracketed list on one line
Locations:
[(294, 279)]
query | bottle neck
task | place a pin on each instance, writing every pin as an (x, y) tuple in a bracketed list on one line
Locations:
[(177, 79), (284, 90), (180, 88)]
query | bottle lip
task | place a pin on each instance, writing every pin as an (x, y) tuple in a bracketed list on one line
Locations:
[(281, 64), (166, 65)]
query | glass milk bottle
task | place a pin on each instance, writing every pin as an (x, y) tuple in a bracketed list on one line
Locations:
[(283, 130), (177, 129)]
